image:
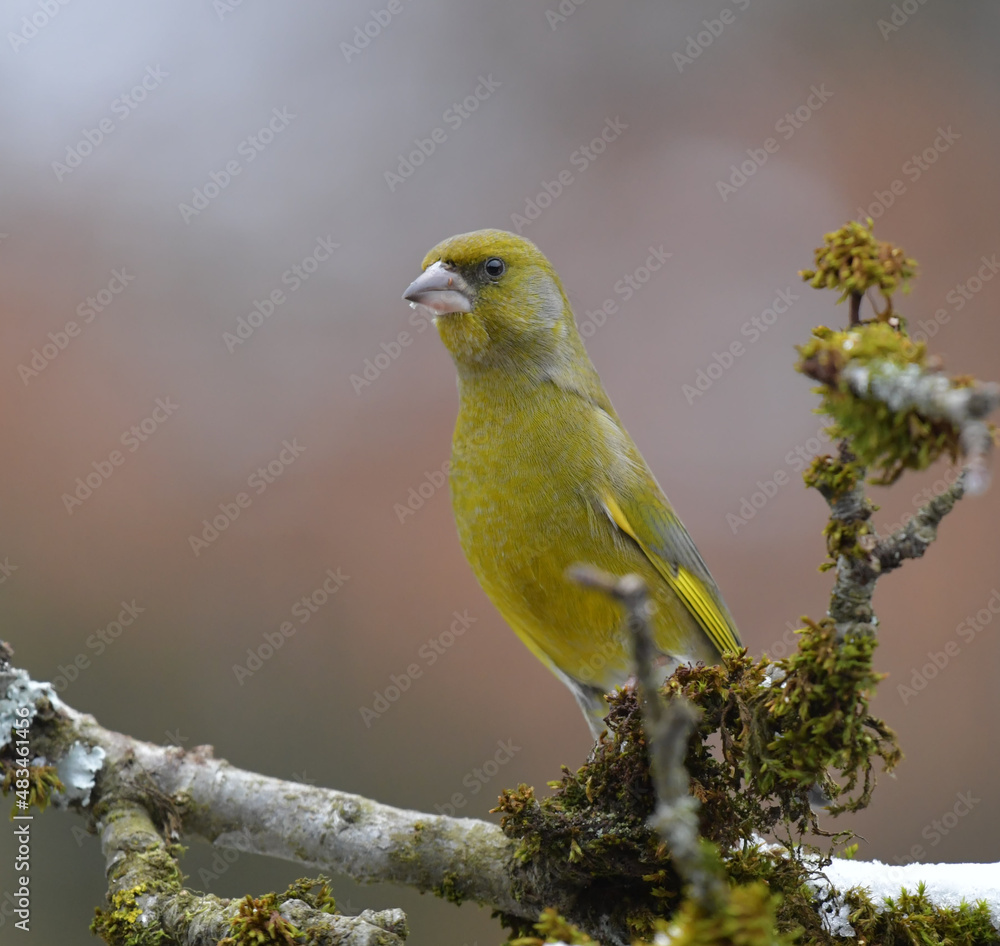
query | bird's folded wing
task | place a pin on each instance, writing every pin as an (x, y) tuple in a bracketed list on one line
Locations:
[(647, 518)]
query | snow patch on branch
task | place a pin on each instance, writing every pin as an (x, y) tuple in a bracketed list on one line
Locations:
[(947, 886)]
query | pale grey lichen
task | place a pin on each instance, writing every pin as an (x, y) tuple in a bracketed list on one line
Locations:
[(77, 769), (935, 396), (19, 691)]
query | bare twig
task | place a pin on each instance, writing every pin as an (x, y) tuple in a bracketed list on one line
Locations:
[(914, 538), (668, 728), (855, 314), (856, 577)]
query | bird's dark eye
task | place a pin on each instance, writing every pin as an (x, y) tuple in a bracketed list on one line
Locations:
[(494, 267)]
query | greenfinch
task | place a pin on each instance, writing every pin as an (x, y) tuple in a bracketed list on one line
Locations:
[(543, 476)]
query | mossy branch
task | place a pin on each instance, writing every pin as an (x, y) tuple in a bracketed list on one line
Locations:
[(145, 793), (896, 410), (589, 852), (147, 903), (893, 409)]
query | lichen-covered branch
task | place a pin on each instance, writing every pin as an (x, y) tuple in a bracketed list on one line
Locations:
[(860, 556), (893, 410), (196, 795), (895, 406), (146, 900), (588, 851), (849, 538), (914, 538), (934, 396), (850, 601), (315, 826)]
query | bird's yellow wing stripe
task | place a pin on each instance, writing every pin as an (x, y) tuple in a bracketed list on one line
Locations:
[(701, 605), (687, 586), (615, 511)]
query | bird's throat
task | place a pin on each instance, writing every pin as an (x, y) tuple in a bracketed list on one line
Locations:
[(465, 336)]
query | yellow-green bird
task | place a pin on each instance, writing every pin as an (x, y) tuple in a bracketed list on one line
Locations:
[(544, 476)]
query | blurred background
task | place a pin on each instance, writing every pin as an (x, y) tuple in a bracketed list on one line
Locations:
[(209, 213)]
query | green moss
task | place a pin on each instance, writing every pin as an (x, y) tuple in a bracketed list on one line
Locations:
[(552, 928), (832, 477), (600, 857), (35, 790), (748, 918), (315, 892), (784, 728), (821, 724), (786, 879), (117, 926), (845, 538), (886, 441), (159, 863), (912, 918), (259, 923), (589, 841), (852, 262), (836, 478), (148, 866), (450, 889), (48, 731), (768, 733)]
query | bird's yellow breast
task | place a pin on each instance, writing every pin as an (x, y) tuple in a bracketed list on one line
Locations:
[(522, 521)]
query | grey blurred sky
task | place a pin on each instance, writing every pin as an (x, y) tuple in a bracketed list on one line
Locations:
[(289, 135)]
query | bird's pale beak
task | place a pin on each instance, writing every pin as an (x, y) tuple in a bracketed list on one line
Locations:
[(441, 290)]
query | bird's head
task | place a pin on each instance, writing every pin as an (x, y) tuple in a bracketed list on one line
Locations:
[(496, 301)]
